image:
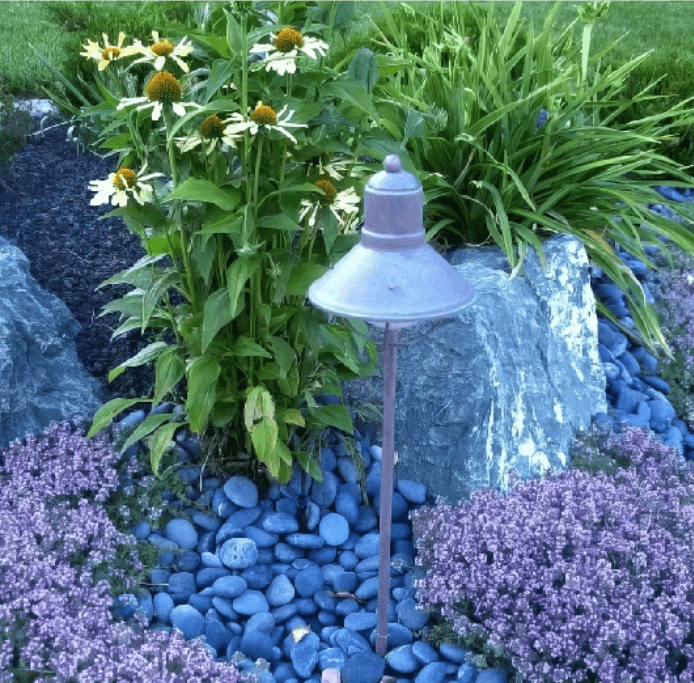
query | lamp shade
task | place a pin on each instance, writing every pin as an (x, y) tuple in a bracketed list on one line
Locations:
[(392, 276)]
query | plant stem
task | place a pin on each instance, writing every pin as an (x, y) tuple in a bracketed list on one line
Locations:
[(176, 217), (257, 176)]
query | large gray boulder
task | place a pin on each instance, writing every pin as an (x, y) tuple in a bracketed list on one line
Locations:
[(503, 385), (41, 378)]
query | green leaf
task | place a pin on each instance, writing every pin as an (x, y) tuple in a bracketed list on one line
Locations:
[(292, 416), (344, 12), (330, 227), (269, 371), (219, 45), (302, 277), (414, 126), (309, 465), (247, 347), (204, 252), (215, 316), (147, 426), (202, 379), (283, 353), (363, 68), (259, 405), (289, 385), (149, 353), (228, 225), (140, 265), (118, 141), (104, 416), (238, 273), (161, 283), (160, 442), (220, 73), (199, 190), (169, 370), (352, 92), (264, 438), (279, 221), (334, 416), (234, 36)]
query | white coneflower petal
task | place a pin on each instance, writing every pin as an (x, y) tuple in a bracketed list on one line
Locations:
[(120, 185), (284, 49)]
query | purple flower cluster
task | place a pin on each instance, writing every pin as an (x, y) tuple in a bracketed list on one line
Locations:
[(677, 311), (54, 618), (576, 577)]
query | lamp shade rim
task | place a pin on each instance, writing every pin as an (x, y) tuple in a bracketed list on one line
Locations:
[(402, 287)]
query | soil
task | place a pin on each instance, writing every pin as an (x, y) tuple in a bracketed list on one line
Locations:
[(45, 212)]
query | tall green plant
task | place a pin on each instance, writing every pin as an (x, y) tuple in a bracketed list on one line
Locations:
[(261, 156), (520, 140)]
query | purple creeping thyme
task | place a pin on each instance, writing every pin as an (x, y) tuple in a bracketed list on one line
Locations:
[(579, 577), (54, 617), (677, 311)]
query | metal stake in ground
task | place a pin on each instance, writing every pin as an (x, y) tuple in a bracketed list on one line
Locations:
[(390, 357)]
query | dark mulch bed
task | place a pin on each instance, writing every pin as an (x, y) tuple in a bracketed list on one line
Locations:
[(45, 212)]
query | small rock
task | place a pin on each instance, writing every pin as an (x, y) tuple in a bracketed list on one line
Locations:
[(305, 541), (334, 529), (453, 653), (238, 553), (402, 660), (217, 635), (412, 491), (350, 642), (410, 616), (229, 587), (181, 586), (309, 581), (280, 523), (424, 653), (251, 602), (331, 658), (363, 667), (367, 546), (188, 620), (280, 591), (431, 673), (368, 589), (163, 604), (304, 660), (207, 576), (182, 532), (242, 492), (323, 493), (256, 644), (360, 621), (189, 561)]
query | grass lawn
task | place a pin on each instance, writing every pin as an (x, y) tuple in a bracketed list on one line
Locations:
[(663, 26)]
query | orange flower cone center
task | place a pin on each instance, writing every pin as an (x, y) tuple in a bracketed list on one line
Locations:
[(163, 87), (212, 127), (264, 114), (125, 177), (287, 39), (162, 49), (110, 53), (327, 187)]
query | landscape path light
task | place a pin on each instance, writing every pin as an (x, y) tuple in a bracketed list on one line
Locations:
[(392, 279)]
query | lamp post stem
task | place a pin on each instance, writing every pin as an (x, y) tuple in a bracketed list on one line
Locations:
[(387, 465)]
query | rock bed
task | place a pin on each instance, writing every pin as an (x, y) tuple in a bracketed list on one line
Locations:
[(299, 588)]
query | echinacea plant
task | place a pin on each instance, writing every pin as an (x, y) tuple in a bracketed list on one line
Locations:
[(580, 576), (248, 222)]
